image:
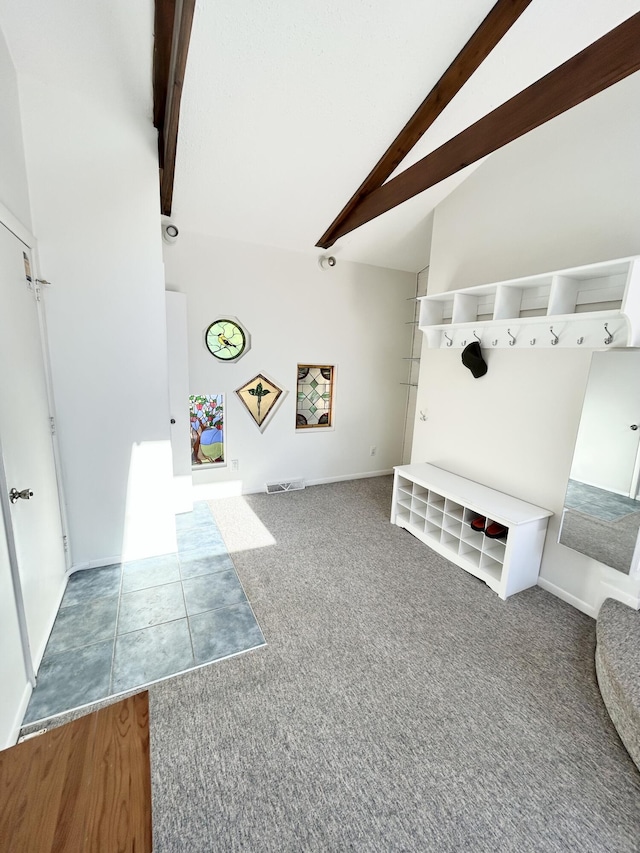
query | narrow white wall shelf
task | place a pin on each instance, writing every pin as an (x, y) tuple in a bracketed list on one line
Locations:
[(437, 507), (597, 305)]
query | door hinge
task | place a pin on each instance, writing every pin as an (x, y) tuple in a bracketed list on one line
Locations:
[(52, 424)]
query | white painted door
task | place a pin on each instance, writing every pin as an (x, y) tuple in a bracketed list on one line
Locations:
[(27, 447), (607, 443), (16, 687), (178, 363)]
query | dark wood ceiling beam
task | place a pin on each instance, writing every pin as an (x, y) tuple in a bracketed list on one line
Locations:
[(604, 63), (498, 22), (173, 22)]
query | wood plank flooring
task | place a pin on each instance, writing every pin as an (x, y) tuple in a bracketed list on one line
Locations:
[(85, 786)]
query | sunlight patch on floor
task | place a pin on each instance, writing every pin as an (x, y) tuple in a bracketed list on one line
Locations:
[(244, 531)]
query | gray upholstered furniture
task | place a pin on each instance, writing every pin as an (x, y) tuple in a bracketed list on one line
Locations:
[(618, 670)]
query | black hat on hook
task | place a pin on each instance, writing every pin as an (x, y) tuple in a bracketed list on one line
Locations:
[(472, 358)]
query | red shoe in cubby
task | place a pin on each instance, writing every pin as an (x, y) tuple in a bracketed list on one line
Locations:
[(495, 530)]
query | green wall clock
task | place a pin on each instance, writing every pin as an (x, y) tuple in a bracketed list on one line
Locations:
[(226, 339)]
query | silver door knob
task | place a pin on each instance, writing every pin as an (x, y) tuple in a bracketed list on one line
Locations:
[(634, 426), (15, 495)]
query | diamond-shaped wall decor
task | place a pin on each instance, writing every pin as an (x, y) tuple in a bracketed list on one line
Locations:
[(260, 396)]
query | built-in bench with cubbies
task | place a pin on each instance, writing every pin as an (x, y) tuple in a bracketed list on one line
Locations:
[(438, 507)]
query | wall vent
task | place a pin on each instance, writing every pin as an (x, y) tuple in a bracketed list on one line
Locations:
[(285, 486)]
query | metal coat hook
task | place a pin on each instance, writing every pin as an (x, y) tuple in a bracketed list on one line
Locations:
[(495, 343), (513, 340), (580, 340), (423, 415), (532, 342), (555, 338), (609, 338), (477, 337), (449, 340), (464, 343)]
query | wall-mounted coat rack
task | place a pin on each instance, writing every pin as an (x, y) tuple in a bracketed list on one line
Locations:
[(594, 306)]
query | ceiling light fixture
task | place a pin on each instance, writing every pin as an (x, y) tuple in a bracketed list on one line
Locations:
[(326, 262)]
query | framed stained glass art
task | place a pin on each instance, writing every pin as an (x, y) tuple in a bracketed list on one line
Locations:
[(227, 339), (260, 397), (315, 396), (206, 417)]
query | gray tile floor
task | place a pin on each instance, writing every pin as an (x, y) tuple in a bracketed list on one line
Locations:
[(598, 503), (124, 626)]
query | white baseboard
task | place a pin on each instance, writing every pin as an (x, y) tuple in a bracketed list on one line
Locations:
[(573, 600), (95, 564), (345, 477), (38, 654), (235, 488), (611, 591)]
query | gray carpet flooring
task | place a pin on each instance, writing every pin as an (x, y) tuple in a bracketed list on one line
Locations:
[(609, 542), (399, 705)]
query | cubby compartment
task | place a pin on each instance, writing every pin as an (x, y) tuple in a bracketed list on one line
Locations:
[(491, 566), (437, 311), (419, 507), (472, 537), (404, 500), (469, 553), (436, 501), (474, 307), (535, 301), (450, 525), (405, 486), (432, 531), (449, 540), (454, 510), (441, 518), (495, 548)]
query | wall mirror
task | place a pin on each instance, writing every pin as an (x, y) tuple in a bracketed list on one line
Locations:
[(601, 515)]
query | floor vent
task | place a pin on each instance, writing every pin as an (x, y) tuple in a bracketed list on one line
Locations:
[(286, 486)]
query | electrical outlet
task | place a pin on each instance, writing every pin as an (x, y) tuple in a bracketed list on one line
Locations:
[(372, 450), (234, 465)]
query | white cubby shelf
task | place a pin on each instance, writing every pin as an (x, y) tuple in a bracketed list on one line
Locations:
[(437, 507), (597, 305)]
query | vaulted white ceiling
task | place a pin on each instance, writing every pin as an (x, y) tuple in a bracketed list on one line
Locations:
[(288, 105)]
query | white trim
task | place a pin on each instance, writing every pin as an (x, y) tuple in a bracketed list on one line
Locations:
[(95, 564), (39, 654), (611, 591), (343, 477), (21, 711), (10, 539), (13, 224), (573, 600)]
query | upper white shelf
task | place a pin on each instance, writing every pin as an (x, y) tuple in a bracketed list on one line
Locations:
[(597, 305)]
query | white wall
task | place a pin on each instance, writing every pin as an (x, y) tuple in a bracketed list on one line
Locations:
[(93, 176), (565, 194), (353, 316)]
